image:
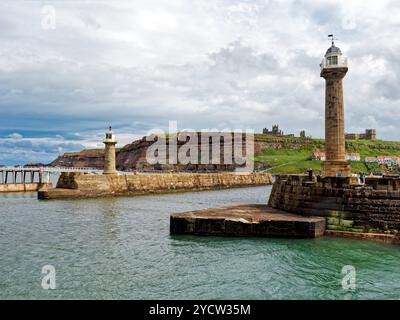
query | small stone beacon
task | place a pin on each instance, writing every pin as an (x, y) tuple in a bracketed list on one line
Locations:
[(109, 153)]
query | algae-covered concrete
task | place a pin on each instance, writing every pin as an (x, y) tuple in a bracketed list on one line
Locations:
[(376, 237), (77, 185)]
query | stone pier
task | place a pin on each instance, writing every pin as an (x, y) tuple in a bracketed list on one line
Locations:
[(336, 199), (348, 206), (76, 185)]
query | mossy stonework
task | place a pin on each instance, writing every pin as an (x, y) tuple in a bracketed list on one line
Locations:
[(347, 205)]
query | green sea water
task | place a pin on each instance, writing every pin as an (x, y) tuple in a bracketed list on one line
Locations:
[(120, 248)]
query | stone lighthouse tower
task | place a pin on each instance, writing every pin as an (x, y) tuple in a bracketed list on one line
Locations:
[(109, 153), (333, 70)]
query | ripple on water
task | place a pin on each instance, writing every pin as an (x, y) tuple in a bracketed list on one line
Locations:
[(121, 248)]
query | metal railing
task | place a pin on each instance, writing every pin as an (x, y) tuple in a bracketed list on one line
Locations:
[(341, 63), (53, 169)]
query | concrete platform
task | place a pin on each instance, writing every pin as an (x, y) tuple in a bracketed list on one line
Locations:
[(246, 220)]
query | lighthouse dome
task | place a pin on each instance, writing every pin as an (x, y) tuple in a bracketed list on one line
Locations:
[(109, 136), (334, 58), (333, 50)]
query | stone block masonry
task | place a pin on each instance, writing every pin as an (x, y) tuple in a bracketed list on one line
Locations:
[(77, 185), (347, 206), (334, 122)]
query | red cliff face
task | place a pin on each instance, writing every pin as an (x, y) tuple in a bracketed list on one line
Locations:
[(93, 158), (132, 157)]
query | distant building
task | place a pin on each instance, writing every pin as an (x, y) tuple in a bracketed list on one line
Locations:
[(302, 134), (318, 155), (383, 160), (370, 134), (321, 156), (276, 132), (355, 156)]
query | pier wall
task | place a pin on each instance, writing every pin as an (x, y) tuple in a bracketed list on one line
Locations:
[(347, 205), (21, 187), (77, 185)]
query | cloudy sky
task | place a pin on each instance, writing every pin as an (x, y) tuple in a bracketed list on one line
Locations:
[(69, 68)]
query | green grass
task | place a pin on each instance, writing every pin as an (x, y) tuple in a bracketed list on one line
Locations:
[(287, 160), (370, 150), (295, 154)]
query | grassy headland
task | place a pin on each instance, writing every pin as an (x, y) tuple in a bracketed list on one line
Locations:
[(293, 155)]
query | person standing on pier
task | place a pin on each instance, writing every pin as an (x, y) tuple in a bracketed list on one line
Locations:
[(362, 178), (310, 174)]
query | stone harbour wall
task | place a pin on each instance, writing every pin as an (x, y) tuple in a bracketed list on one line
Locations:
[(347, 205), (77, 185)]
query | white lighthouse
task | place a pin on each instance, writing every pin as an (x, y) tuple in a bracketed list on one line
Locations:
[(109, 153)]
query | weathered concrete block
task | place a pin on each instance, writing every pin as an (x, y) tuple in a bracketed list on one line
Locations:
[(247, 220), (214, 226), (240, 227)]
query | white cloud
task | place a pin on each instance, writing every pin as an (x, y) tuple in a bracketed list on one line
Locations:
[(15, 136), (17, 149), (220, 63)]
